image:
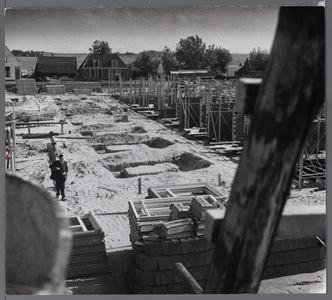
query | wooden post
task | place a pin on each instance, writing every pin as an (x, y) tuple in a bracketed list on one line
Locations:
[(10, 147), (318, 136), (109, 81), (292, 92), (188, 281), (14, 140), (131, 91), (301, 170), (139, 185)]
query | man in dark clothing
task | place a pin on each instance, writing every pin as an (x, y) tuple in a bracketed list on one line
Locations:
[(59, 174)]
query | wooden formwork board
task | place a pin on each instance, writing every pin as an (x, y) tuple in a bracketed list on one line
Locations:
[(145, 210), (182, 190)]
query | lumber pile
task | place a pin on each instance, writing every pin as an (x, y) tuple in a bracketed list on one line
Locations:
[(88, 254), (163, 232)]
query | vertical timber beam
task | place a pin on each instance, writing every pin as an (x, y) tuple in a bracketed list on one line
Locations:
[(290, 96)]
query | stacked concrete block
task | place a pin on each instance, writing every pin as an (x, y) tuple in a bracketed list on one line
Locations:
[(55, 89), (154, 262), (88, 254), (26, 87), (163, 233), (295, 256)]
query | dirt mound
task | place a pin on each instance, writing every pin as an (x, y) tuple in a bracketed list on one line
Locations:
[(124, 118), (148, 170), (190, 162), (137, 157), (158, 142), (97, 126), (118, 139), (138, 129)]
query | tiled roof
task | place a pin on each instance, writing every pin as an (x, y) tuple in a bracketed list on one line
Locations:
[(104, 61), (56, 64)]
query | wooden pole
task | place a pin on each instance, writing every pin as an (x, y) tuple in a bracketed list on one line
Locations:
[(131, 91), (301, 170), (109, 81), (188, 281), (14, 141), (318, 137), (292, 92), (139, 185)]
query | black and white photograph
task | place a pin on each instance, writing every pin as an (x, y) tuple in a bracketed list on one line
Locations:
[(161, 150)]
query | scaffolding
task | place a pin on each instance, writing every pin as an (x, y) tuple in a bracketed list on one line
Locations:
[(311, 167)]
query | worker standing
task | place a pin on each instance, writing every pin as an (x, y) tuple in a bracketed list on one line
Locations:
[(59, 175), (53, 153)]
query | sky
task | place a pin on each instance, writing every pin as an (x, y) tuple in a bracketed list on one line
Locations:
[(130, 29)]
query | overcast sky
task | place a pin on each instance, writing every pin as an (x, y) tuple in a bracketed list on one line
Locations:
[(73, 30)]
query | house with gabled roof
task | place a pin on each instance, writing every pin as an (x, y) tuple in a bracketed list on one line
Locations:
[(103, 67), (252, 68), (12, 66), (55, 67)]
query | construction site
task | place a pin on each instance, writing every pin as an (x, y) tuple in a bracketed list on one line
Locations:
[(177, 185), (146, 160)]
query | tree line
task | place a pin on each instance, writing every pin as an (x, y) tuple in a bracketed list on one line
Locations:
[(191, 53)]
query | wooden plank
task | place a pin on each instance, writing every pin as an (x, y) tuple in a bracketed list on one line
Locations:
[(188, 281), (265, 172)]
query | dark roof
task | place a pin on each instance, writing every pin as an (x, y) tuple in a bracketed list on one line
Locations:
[(257, 65), (251, 66), (104, 61), (56, 64)]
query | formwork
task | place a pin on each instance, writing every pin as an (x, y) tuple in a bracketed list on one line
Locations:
[(192, 112), (88, 253)]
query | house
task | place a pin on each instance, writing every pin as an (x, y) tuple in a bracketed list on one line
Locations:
[(12, 66), (55, 67), (103, 66), (252, 68), (232, 69)]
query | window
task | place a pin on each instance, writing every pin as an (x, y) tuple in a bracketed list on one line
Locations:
[(5, 58), (95, 63), (7, 71), (114, 63)]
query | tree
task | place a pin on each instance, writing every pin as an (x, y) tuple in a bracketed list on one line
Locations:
[(144, 65), (224, 58), (190, 52), (210, 57), (258, 54), (100, 47), (217, 58), (168, 60)]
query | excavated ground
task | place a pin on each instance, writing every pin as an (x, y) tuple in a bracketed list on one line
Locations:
[(109, 147)]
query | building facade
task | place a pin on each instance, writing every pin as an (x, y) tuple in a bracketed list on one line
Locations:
[(103, 67), (12, 66)]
